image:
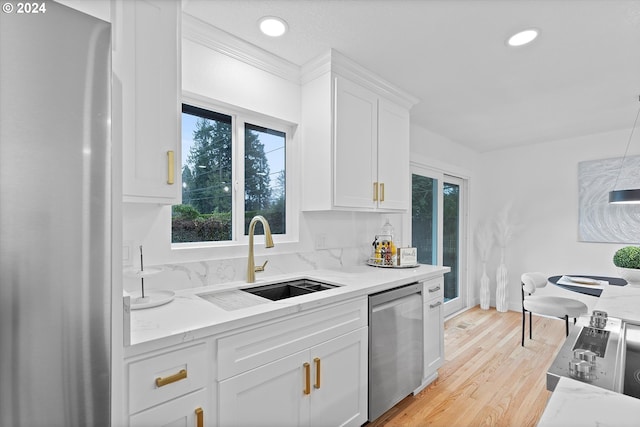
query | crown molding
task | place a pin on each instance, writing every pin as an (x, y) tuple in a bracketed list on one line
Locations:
[(220, 41), (334, 61)]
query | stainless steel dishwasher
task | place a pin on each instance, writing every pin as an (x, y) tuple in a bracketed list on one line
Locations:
[(395, 346)]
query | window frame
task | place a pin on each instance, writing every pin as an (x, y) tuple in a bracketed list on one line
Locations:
[(239, 117)]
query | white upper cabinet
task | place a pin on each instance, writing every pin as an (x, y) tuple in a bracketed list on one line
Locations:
[(147, 88), (355, 139), (393, 156)]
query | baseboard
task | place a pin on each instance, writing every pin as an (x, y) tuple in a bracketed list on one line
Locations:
[(425, 382)]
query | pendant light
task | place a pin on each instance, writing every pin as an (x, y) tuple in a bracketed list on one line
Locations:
[(630, 196)]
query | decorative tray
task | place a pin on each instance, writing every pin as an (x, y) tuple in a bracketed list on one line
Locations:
[(373, 263)]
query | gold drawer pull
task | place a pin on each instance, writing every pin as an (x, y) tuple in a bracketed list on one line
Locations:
[(170, 168), (307, 378), (199, 417), (171, 378), (382, 191), (375, 191), (317, 362)]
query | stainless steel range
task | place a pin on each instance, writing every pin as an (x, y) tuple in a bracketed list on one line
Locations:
[(602, 351)]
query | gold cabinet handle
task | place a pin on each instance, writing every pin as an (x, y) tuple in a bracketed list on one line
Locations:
[(382, 191), (317, 363), (170, 168), (375, 191), (199, 417), (171, 378), (307, 378)]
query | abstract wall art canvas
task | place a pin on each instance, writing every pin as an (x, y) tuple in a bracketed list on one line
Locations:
[(598, 221)]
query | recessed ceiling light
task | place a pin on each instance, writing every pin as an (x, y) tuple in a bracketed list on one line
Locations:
[(272, 26), (523, 37)]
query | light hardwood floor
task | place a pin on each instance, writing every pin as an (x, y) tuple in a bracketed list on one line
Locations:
[(487, 379)]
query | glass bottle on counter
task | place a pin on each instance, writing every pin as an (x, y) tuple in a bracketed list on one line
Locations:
[(388, 248)]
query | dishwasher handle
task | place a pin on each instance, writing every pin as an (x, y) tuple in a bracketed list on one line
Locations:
[(395, 293)]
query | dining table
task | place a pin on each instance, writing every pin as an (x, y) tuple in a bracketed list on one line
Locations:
[(593, 285)]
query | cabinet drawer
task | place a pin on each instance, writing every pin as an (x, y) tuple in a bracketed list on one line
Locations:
[(433, 289), (157, 379), (184, 411), (251, 348)]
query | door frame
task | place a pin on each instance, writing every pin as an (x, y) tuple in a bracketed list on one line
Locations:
[(460, 303), (465, 289)]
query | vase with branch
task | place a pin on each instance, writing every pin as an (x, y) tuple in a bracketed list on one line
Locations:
[(504, 230), (484, 241)]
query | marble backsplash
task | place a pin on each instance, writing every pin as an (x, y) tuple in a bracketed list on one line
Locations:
[(221, 271)]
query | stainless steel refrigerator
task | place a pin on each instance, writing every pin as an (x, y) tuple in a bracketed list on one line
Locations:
[(55, 219)]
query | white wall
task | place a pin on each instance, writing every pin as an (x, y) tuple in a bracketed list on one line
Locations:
[(540, 184), (209, 73), (448, 157), (227, 80), (438, 152)]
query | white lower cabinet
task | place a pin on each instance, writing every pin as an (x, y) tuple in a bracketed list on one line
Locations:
[(325, 385), (303, 369), (433, 327), (307, 369), (268, 395)]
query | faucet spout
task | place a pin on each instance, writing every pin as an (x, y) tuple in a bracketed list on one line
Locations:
[(268, 243)]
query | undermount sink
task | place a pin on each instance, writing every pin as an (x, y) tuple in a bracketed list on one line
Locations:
[(294, 288)]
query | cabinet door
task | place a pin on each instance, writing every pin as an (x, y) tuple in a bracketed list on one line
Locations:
[(146, 63), (339, 396), (271, 395), (355, 139), (393, 156), (433, 327), (191, 410)]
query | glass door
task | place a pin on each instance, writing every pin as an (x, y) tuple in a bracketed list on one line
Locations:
[(424, 218), (438, 229), (451, 242)]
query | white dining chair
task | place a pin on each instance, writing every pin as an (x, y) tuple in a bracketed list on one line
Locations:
[(547, 305)]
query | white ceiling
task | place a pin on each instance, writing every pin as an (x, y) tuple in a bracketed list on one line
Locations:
[(581, 76)]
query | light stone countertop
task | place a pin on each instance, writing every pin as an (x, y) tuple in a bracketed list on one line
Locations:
[(574, 403), (622, 302), (189, 317), (577, 404)]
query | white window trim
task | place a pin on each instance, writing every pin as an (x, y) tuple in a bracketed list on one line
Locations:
[(239, 116)]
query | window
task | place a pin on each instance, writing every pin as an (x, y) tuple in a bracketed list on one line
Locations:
[(215, 208), (265, 178)]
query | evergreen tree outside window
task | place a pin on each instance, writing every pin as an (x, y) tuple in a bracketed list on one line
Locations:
[(264, 171), (207, 211)]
